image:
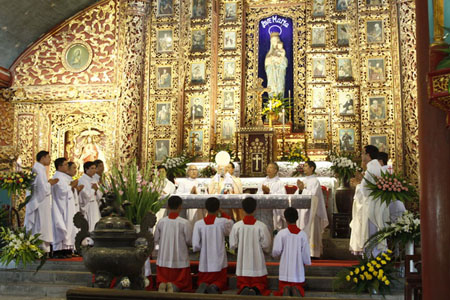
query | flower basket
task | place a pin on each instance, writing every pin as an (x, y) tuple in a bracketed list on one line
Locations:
[(176, 166), (343, 166)]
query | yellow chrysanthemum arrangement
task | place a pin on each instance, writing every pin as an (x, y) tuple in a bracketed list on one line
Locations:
[(371, 275)]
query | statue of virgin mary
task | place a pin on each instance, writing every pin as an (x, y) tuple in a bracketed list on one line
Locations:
[(275, 65)]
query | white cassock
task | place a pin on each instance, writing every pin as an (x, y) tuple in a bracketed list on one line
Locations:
[(96, 179), (63, 210), (38, 211), (173, 237), (359, 223), (185, 187), (88, 201), (377, 212), (294, 251), (273, 219), (210, 241), (251, 241), (313, 227), (169, 189)]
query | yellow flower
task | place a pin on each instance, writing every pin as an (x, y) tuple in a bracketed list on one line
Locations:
[(378, 258), (380, 276), (362, 268), (387, 282), (371, 269), (357, 271), (375, 273), (362, 277), (369, 277), (347, 277), (384, 278), (369, 264), (388, 258), (383, 262), (355, 280), (351, 273), (378, 266), (389, 251), (20, 180), (381, 271), (373, 262)]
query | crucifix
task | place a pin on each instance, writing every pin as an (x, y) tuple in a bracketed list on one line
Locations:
[(258, 91), (257, 158)]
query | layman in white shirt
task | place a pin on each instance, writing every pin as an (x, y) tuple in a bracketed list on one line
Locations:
[(88, 195), (38, 211), (169, 189), (313, 227), (272, 184)]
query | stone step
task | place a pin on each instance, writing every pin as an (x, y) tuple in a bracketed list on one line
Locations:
[(58, 265), (46, 276), (36, 289)]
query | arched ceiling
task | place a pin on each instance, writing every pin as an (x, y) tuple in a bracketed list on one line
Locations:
[(22, 22)]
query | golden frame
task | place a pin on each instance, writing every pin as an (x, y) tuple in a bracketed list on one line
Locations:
[(163, 86), (200, 78), (371, 75), (193, 107), (382, 34), (372, 111), (381, 146), (228, 106), (232, 125), (322, 124), (323, 39), (77, 47), (232, 35), (162, 142), (234, 18), (347, 43), (158, 40), (204, 40), (226, 74), (341, 132), (202, 135), (158, 9), (340, 75), (160, 119)]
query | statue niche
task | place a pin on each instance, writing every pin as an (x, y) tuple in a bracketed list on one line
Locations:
[(84, 145), (275, 65)]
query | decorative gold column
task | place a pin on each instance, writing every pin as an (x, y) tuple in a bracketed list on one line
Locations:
[(438, 19), (133, 15)]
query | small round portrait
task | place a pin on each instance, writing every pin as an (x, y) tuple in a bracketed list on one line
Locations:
[(77, 57)]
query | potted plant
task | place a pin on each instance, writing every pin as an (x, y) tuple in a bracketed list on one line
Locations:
[(273, 107), (297, 155)]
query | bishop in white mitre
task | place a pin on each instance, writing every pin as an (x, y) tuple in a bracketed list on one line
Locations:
[(313, 220), (273, 185), (88, 195), (38, 211)]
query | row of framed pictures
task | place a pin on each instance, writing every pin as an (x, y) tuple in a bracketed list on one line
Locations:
[(374, 34), (198, 9), (318, 6), (375, 68)]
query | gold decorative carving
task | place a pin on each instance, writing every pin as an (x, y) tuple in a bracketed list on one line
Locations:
[(6, 123)]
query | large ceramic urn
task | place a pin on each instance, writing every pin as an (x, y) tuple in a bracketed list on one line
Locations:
[(344, 197), (114, 249)]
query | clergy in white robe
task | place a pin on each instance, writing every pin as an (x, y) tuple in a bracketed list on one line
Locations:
[(63, 208), (292, 245), (313, 220), (209, 238), (359, 223), (192, 186), (377, 212), (76, 189), (173, 234), (38, 211), (252, 238), (88, 195), (169, 189), (97, 177), (273, 185)]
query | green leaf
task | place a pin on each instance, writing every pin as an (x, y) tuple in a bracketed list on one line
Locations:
[(443, 64)]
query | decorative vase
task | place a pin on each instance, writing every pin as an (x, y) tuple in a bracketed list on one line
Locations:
[(344, 196), (273, 117)]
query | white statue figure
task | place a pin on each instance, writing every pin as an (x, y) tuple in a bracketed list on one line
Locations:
[(275, 65)]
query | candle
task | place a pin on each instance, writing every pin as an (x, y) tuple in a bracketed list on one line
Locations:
[(283, 117)]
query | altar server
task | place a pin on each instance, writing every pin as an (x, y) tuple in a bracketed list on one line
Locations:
[(272, 184), (88, 195), (174, 235), (313, 220), (292, 245), (38, 211), (209, 238), (192, 186), (63, 210), (251, 237)]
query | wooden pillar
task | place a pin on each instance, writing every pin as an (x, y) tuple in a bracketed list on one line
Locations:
[(434, 158)]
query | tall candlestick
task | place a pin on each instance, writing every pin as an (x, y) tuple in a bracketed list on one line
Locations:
[(283, 112), (193, 117), (289, 113)]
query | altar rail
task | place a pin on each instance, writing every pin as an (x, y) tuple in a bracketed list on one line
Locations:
[(235, 201)]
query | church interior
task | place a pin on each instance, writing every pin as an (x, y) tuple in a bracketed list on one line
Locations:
[(144, 80)]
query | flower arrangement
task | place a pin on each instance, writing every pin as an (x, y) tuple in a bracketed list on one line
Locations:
[(176, 166), (297, 154), (141, 188), (405, 229), (390, 187), (15, 182), (343, 166), (208, 171), (371, 275), (275, 105), (21, 246)]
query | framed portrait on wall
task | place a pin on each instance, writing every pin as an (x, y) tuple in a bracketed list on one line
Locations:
[(198, 40), (163, 113), (196, 140), (164, 77), (375, 69), (377, 108), (198, 9), (346, 103), (374, 31), (162, 148), (228, 99), (77, 56), (198, 73), (318, 97), (229, 40), (197, 107), (228, 129), (318, 67), (230, 11), (347, 139), (229, 69), (344, 69), (164, 8), (380, 141), (318, 8), (318, 37), (164, 40), (343, 34), (342, 5), (319, 129)]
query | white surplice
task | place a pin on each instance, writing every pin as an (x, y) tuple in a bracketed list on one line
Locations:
[(315, 226), (251, 241), (272, 218), (38, 211), (294, 251), (185, 187), (96, 179), (88, 201), (210, 241), (359, 224), (173, 237), (63, 211), (169, 189)]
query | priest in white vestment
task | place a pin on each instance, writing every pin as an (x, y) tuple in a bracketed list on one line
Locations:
[(313, 220), (63, 210), (359, 220), (98, 177), (38, 211), (192, 186), (273, 185), (76, 189), (224, 182), (88, 195)]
